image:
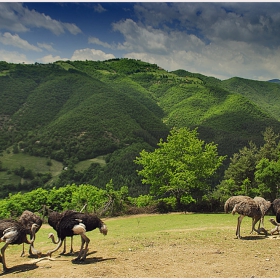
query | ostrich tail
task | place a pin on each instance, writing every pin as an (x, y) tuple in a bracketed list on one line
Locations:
[(227, 207)]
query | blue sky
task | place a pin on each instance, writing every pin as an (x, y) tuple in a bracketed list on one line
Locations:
[(212, 38)]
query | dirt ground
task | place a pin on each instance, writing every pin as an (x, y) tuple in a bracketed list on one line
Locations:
[(217, 255)]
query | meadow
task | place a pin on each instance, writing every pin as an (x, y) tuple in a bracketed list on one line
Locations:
[(175, 245)]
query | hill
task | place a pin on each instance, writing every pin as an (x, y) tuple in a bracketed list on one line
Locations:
[(92, 118), (275, 81)]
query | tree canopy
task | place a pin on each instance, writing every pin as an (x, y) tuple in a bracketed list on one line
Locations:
[(181, 166)]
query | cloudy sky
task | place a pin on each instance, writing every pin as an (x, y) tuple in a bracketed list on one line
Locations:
[(212, 38)]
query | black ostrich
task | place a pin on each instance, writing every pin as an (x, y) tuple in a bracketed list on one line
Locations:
[(244, 206), (27, 219), (14, 232), (76, 223), (276, 210), (53, 220)]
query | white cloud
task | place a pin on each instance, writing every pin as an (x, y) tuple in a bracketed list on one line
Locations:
[(204, 38), (13, 57), (98, 8), (91, 54), (15, 17), (96, 41), (47, 47), (246, 22), (50, 59), (14, 40)]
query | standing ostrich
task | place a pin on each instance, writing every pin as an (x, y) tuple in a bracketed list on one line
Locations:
[(27, 219), (76, 223), (14, 232), (264, 206), (244, 206), (53, 220), (276, 209)]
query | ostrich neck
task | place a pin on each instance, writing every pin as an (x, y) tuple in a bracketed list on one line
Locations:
[(33, 232), (53, 240)]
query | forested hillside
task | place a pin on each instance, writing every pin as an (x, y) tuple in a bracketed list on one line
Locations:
[(84, 122)]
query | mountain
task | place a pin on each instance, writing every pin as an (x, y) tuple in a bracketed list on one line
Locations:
[(275, 81), (89, 119)]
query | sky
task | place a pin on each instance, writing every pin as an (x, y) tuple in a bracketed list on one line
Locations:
[(219, 39)]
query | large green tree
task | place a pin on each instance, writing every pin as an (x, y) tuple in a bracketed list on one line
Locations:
[(181, 166), (254, 171)]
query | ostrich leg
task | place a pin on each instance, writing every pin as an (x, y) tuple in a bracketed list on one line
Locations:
[(260, 229), (239, 220), (87, 240), (3, 257), (83, 252)]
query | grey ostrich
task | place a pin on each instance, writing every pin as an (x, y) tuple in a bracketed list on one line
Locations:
[(27, 219), (264, 206), (14, 232), (76, 223), (53, 220), (244, 206)]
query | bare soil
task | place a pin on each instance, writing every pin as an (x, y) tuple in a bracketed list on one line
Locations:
[(181, 253)]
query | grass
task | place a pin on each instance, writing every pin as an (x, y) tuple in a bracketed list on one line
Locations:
[(12, 161), (83, 165), (159, 245), (135, 231)]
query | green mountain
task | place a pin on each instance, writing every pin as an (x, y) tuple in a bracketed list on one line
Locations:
[(86, 121)]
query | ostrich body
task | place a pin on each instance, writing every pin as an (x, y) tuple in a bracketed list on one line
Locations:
[(75, 223), (276, 208), (244, 206), (14, 232), (53, 220), (27, 219)]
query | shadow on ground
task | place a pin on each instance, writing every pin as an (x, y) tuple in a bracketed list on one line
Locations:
[(19, 269)]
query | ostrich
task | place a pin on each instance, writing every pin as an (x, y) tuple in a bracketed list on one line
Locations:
[(75, 223), (276, 208), (53, 220), (28, 218), (264, 206), (244, 206), (14, 232)]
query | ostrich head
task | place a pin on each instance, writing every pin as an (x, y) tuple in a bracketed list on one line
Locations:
[(51, 235), (34, 228), (103, 229)]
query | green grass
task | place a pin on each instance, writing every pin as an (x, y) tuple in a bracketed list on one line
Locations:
[(12, 161), (82, 165), (38, 164), (4, 72), (163, 228), (189, 245)]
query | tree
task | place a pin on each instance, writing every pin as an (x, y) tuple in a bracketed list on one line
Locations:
[(181, 166), (241, 171), (254, 171), (267, 176)]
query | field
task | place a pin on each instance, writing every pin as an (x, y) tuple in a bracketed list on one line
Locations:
[(173, 245)]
